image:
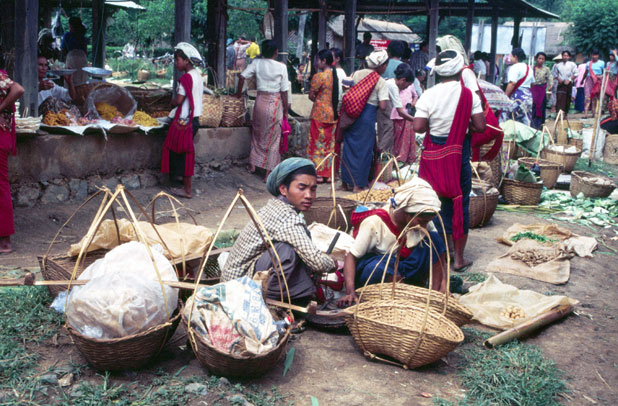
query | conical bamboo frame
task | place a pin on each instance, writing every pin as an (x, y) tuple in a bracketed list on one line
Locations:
[(267, 242)]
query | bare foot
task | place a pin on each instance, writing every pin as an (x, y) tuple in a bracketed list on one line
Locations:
[(462, 267), (251, 168), (181, 193), (358, 189), (5, 245), (344, 187)]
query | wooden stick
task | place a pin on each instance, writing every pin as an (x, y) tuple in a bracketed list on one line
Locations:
[(597, 120), (529, 326), (29, 280)]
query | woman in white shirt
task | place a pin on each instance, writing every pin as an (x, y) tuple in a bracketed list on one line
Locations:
[(520, 77), (271, 105)]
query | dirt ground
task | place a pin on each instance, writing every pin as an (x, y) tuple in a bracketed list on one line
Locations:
[(329, 366)]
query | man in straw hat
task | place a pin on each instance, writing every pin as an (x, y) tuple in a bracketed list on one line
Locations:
[(376, 232), (446, 113), (293, 184)]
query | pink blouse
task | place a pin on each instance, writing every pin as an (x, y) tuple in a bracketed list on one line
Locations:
[(406, 95)]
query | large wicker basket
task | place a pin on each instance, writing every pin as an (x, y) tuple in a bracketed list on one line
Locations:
[(212, 111), (234, 111), (523, 193), (550, 171), (130, 352), (482, 208), (610, 151), (408, 333), (151, 100), (579, 184), (415, 295), (60, 268), (322, 208), (566, 159)]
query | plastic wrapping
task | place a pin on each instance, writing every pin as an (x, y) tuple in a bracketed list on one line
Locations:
[(113, 95), (123, 296)]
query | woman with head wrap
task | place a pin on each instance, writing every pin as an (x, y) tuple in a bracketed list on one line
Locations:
[(376, 232), (178, 151), (359, 138), (446, 113), (293, 185), (520, 77)]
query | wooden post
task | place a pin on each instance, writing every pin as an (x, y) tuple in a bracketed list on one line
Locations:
[(494, 44), (216, 27), (322, 17), (349, 35), (469, 24), (301, 35), (26, 70), (315, 35), (515, 39), (46, 16), (182, 27), (281, 29), (7, 36), (434, 15), (98, 33)]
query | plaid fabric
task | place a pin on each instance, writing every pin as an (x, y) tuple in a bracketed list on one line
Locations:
[(283, 224), (355, 99)]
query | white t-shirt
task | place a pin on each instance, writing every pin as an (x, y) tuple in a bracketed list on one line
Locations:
[(340, 76), (271, 76), (393, 93), (197, 91), (479, 67), (517, 71), (469, 79), (438, 104), (58, 92)]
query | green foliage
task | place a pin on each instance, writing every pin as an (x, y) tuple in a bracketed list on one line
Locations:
[(594, 24)]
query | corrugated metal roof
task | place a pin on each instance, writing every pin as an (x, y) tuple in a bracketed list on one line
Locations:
[(378, 28)]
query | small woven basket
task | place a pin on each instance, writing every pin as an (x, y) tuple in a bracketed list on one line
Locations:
[(212, 111), (550, 171), (482, 208), (610, 151), (579, 184), (321, 211), (131, 352), (566, 159), (415, 295), (511, 147), (233, 114), (522, 193)]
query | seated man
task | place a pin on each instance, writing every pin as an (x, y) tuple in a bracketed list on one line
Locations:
[(376, 232), (293, 183), (51, 96)]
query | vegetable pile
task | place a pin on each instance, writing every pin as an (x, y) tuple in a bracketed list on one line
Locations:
[(602, 212), (531, 236)]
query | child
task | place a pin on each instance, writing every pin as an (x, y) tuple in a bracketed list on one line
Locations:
[(178, 151), (404, 143)]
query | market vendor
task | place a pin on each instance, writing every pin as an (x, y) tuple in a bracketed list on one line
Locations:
[(376, 232), (51, 96), (293, 184)]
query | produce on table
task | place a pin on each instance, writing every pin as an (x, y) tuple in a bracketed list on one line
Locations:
[(123, 121), (159, 114), (513, 312), (143, 119), (55, 119), (108, 112)]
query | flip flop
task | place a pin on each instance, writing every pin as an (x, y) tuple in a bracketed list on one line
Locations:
[(299, 327), (463, 268)]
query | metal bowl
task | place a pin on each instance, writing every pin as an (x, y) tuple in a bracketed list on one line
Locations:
[(97, 72), (62, 72)]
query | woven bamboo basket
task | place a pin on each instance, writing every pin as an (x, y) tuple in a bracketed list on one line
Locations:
[(151, 100), (581, 185), (578, 142), (549, 170), (482, 208), (143, 75), (322, 209), (212, 111), (523, 193), (415, 295), (131, 352), (60, 268), (566, 159), (511, 147), (405, 332), (496, 163), (234, 111), (610, 151)]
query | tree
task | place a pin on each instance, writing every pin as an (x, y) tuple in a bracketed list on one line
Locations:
[(594, 24)]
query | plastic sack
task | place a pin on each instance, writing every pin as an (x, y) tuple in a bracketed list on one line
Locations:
[(123, 296), (189, 237), (487, 301), (113, 95), (233, 317), (322, 235)]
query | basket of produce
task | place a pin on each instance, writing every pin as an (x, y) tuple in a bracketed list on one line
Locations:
[(235, 308), (143, 75), (483, 203), (522, 193), (565, 155), (335, 215), (405, 323), (110, 101), (549, 170), (161, 73), (233, 114), (591, 184)]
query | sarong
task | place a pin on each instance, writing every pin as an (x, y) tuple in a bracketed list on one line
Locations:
[(266, 130), (321, 143), (580, 100), (414, 269), (358, 143), (6, 205), (522, 108), (538, 104), (563, 97), (177, 161), (588, 85), (385, 128), (404, 143)]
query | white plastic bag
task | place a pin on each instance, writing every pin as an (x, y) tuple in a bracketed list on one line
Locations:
[(123, 295)]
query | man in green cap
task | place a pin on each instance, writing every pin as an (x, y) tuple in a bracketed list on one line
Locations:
[(293, 184)]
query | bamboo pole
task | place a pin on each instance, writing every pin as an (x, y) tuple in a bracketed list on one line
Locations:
[(529, 326), (597, 119)]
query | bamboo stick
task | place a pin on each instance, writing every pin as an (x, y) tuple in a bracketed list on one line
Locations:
[(529, 326), (29, 280), (597, 119)]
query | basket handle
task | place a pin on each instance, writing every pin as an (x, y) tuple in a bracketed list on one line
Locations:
[(333, 214), (484, 194), (391, 160)]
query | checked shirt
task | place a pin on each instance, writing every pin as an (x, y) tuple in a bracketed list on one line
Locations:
[(283, 224)]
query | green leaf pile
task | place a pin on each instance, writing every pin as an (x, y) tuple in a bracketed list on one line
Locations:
[(601, 212)]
